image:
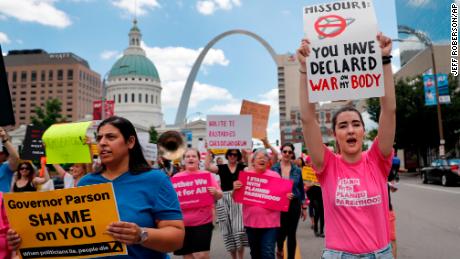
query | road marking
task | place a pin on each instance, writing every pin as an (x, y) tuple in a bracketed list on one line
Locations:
[(430, 188)]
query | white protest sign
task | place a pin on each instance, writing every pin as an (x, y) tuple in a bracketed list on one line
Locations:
[(143, 137), (297, 149), (150, 151), (229, 131), (345, 61)]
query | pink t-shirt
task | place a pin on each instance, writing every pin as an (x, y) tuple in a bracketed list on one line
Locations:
[(5, 252), (355, 198), (258, 217), (202, 215)]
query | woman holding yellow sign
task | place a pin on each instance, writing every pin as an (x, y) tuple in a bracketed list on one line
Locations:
[(353, 181), (151, 220)]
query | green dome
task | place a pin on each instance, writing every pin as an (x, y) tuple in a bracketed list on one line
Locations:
[(134, 65)]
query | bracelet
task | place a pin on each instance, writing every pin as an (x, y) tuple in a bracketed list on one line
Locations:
[(386, 59), (302, 72)]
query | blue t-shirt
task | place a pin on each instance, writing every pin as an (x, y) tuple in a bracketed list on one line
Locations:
[(6, 176), (143, 199)]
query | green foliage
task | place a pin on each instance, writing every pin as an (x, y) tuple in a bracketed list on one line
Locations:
[(371, 134), (153, 135), (417, 124), (49, 116)]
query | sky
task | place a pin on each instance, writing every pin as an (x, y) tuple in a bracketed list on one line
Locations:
[(174, 31)]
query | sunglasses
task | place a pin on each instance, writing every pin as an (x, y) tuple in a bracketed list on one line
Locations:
[(23, 168), (232, 154), (287, 152)]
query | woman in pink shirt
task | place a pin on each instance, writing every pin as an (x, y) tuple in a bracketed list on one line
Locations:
[(197, 221), (261, 224), (353, 182)]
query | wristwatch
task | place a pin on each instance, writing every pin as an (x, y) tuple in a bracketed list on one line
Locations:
[(143, 236)]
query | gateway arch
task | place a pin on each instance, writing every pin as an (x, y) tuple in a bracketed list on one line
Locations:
[(184, 100)]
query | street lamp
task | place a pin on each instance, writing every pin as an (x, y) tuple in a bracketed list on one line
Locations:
[(422, 37)]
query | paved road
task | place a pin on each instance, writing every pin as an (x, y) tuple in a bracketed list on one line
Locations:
[(427, 219)]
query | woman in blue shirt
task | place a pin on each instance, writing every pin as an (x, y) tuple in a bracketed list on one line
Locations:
[(151, 220), (289, 220)]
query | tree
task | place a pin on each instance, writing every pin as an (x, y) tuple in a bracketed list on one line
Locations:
[(49, 116), (153, 135), (417, 124)]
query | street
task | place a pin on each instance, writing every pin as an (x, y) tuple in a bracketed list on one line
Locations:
[(427, 224)]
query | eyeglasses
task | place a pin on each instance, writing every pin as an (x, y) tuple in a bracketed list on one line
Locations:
[(23, 168), (232, 154), (287, 152)]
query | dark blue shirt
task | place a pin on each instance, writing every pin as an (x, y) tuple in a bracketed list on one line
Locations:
[(6, 176), (296, 176), (142, 198)]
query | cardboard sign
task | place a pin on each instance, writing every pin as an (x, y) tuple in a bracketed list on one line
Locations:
[(66, 143), (94, 149), (228, 131), (6, 106), (264, 191), (33, 146), (192, 190), (66, 223), (309, 175), (260, 113), (345, 61)]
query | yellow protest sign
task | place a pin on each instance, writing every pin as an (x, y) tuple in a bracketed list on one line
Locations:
[(309, 175), (66, 143), (260, 113), (219, 151), (94, 149), (67, 223)]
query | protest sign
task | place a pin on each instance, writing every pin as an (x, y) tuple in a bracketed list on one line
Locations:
[(260, 113), (94, 149), (33, 146), (264, 191), (66, 143), (6, 106), (66, 223), (309, 175), (228, 131), (150, 151), (345, 61), (192, 190), (298, 150), (109, 106)]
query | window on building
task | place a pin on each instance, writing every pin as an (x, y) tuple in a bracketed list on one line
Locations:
[(140, 98), (43, 76), (60, 74), (126, 98), (156, 99), (50, 75), (151, 98), (119, 98), (23, 76), (146, 98), (15, 76), (132, 98), (33, 76), (70, 74)]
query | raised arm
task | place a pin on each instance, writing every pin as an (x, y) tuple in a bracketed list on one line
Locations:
[(208, 165), (61, 172), (275, 153), (387, 119), (42, 179), (310, 127), (13, 158)]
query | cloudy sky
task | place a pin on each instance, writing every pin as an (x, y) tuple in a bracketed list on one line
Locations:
[(174, 32)]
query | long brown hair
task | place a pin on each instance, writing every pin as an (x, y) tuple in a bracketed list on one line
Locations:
[(31, 169)]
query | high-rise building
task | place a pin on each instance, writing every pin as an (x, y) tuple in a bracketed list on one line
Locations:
[(288, 94), (35, 76)]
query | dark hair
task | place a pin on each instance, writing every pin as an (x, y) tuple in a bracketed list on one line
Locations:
[(238, 154), (137, 162), (30, 168), (347, 108), (301, 160), (288, 144)]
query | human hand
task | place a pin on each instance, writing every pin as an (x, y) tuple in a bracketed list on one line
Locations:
[(212, 191), (290, 196), (125, 232), (304, 214), (13, 238), (237, 185), (385, 44), (3, 134), (303, 52)]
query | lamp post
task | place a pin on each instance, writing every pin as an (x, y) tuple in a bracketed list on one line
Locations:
[(429, 44)]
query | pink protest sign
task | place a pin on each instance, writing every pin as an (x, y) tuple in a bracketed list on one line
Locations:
[(192, 190), (265, 191)]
